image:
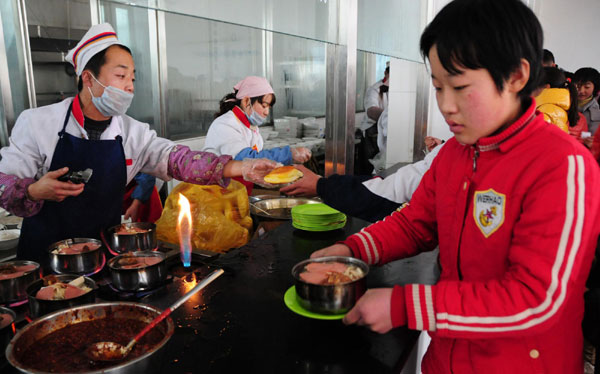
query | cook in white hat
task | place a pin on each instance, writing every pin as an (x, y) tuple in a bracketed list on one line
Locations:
[(92, 131), (236, 132)]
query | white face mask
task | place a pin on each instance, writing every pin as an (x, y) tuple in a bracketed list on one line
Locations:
[(256, 119), (113, 102)]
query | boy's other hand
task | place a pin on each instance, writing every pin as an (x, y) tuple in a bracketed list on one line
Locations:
[(334, 250), (372, 310), (305, 186)]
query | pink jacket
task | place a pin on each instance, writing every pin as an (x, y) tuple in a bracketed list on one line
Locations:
[(516, 219)]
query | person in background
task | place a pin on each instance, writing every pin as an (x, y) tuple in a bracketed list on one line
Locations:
[(235, 130), (511, 201), (375, 102), (92, 131), (141, 202), (548, 59), (587, 81), (556, 98), (364, 197)]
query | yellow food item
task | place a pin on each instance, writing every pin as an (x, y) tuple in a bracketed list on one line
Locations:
[(284, 174), (554, 104), (220, 216)]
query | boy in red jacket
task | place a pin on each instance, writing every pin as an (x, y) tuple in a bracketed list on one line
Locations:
[(511, 200)]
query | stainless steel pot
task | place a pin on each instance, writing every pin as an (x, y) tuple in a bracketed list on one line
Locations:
[(279, 207), (138, 279), (330, 299), (6, 332), (39, 307), (79, 263), (38, 329), (15, 289), (121, 243)]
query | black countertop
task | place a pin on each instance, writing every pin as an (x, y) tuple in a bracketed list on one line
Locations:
[(239, 323)]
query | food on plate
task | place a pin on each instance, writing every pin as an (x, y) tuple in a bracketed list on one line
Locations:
[(56, 290), (5, 320), (8, 271), (63, 351), (330, 273), (284, 174), (130, 230), (75, 248), (137, 262)]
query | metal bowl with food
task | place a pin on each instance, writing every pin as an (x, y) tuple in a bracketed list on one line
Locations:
[(15, 276), (62, 293), (7, 318), (130, 237), (330, 285), (40, 346), (138, 271), (279, 207), (76, 256)]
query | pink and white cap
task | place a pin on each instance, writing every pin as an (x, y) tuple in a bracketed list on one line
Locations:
[(98, 38), (252, 87)]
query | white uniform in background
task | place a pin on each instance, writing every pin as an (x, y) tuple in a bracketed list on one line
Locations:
[(227, 135), (372, 99), (400, 186), (35, 135), (382, 127)]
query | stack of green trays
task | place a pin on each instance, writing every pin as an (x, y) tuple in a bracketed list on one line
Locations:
[(317, 217)]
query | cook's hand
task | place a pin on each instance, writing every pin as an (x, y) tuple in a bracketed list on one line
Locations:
[(588, 141), (333, 250), (305, 186), (133, 211), (300, 155), (50, 188), (255, 169), (372, 310)]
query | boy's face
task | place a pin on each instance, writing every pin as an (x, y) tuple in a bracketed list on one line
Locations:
[(470, 101), (584, 90)]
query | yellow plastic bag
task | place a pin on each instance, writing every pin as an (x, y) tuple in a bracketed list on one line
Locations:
[(220, 216)]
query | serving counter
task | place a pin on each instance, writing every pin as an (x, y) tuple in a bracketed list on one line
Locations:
[(240, 323)]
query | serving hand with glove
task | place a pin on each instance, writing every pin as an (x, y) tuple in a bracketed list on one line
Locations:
[(300, 155)]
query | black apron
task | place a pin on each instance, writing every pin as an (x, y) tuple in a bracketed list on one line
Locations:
[(96, 208)]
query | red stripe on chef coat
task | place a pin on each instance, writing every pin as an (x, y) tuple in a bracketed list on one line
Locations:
[(76, 110), (128, 162), (240, 115)]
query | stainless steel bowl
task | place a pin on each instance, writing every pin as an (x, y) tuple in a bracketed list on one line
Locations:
[(38, 329), (121, 243), (330, 299), (80, 263), (6, 332), (138, 279), (278, 208), (15, 289), (39, 307)]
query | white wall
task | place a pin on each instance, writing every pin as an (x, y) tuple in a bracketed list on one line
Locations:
[(571, 31)]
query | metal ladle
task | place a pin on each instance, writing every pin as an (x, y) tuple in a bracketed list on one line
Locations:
[(111, 351)]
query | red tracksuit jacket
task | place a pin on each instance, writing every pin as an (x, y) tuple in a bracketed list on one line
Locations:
[(516, 219)]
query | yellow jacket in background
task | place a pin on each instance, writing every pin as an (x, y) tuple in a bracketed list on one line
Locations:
[(554, 104)]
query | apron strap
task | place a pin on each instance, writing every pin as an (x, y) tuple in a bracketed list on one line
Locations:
[(63, 131)]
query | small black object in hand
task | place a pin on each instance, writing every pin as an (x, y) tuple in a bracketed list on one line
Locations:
[(82, 176)]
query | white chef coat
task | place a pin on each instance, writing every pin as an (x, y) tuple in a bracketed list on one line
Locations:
[(372, 99), (228, 135), (382, 127), (35, 135), (400, 186)]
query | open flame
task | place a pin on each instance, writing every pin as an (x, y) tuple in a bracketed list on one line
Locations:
[(184, 229)]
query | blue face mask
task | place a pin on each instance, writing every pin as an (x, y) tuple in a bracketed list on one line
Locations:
[(256, 119), (113, 102)]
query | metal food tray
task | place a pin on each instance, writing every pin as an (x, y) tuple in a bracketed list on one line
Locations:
[(279, 207)]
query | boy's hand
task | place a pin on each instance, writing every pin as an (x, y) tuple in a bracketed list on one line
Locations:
[(306, 186), (334, 250), (373, 310)]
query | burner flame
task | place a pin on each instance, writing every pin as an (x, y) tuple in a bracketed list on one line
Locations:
[(184, 229)]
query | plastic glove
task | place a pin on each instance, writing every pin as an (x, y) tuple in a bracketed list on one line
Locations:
[(255, 169), (300, 155)]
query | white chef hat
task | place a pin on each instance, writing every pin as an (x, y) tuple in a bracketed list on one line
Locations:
[(98, 38)]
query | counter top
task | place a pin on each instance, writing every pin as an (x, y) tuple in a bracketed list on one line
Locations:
[(239, 323)]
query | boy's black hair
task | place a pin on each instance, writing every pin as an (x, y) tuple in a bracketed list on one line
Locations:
[(548, 57), (588, 75), (556, 78), (96, 62), (487, 34)]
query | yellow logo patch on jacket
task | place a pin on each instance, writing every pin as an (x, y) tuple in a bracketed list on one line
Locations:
[(488, 210)]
